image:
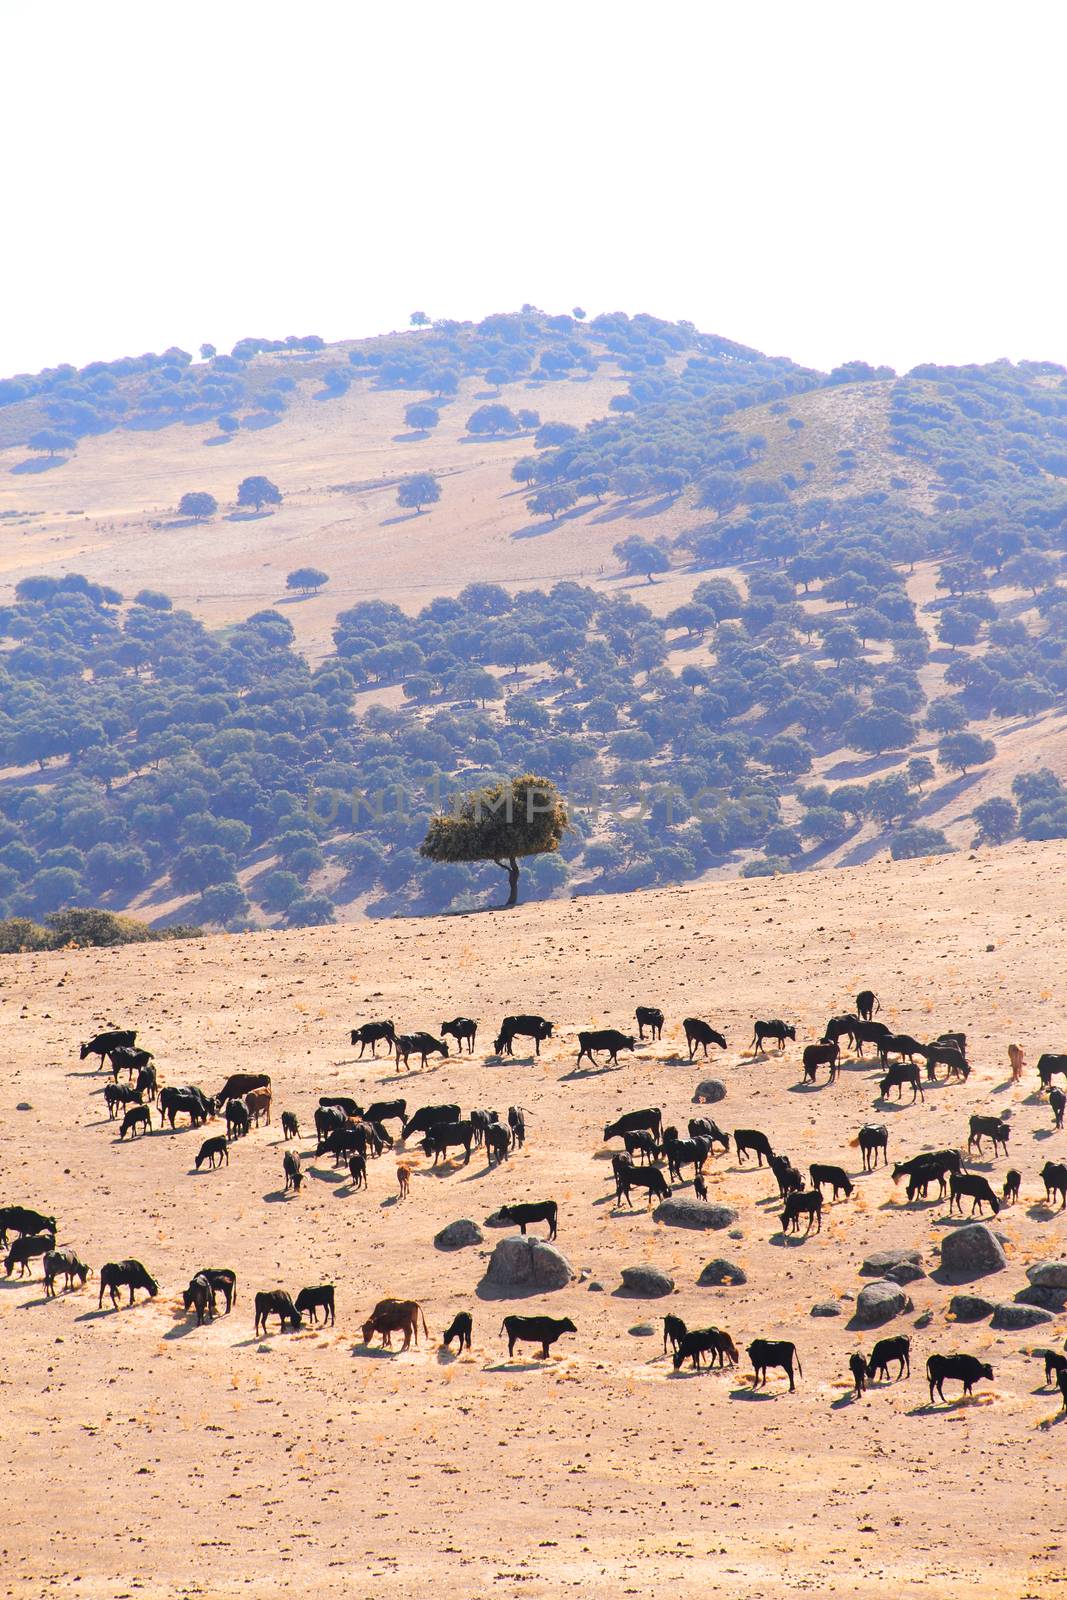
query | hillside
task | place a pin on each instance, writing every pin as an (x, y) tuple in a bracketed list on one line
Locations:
[(855, 633), (224, 1464)]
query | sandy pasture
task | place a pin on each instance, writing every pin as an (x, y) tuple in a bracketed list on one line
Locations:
[(148, 1457)]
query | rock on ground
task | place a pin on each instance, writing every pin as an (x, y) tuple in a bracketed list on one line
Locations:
[(1039, 1294), (709, 1092), (694, 1214), (826, 1308), (879, 1302), (721, 1271), (646, 1281), (970, 1307), (879, 1264), (1017, 1316), (1049, 1274), (456, 1235), (972, 1251), (528, 1263)]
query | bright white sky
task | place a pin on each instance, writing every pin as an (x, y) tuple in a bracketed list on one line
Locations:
[(820, 180)]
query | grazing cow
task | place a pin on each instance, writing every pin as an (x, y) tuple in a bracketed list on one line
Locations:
[(928, 1166), (705, 1128), (685, 1153), (276, 1303), (314, 1300), (20, 1220), (403, 1178), (139, 1117), (764, 1353), (886, 1350), (897, 1076), (786, 1175), (609, 1039), (641, 1143), (532, 1211), (994, 1128), (776, 1029), (291, 1167), (385, 1111), (858, 1368), (751, 1139), (802, 1205), (460, 1328), (872, 1137), (1054, 1176), (121, 1094), (63, 1263), (199, 1297), (395, 1316), (212, 1148), (258, 1103), (24, 1249), (867, 1004), (147, 1082), (357, 1168), (184, 1100), (1058, 1102), (290, 1126), (463, 1030), (517, 1125), (970, 1183), (650, 1017), (238, 1121), (427, 1117), (531, 1027), (440, 1140), (350, 1138), (702, 1034), (1048, 1066), (705, 1341), (369, 1034), (650, 1119), (1054, 1364), (497, 1143), (947, 1055), (834, 1177), (422, 1045), (628, 1177), (127, 1058), (238, 1084), (1010, 1192), (129, 1274), (965, 1369), (103, 1044), (824, 1054), (223, 1280), (535, 1330), (865, 1033), (899, 1044), (674, 1331)]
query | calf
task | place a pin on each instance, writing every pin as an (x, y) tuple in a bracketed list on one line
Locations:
[(212, 1148), (23, 1251), (258, 1103), (650, 1119), (886, 1350), (369, 1033), (834, 1177), (517, 1124), (1057, 1101), (748, 1139), (1054, 1176), (117, 1095), (650, 1017), (357, 1171), (526, 1027), (62, 1263), (930, 1165), (463, 1030), (994, 1128), (897, 1077), (858, 1368), (823, 1054), (237, 1119), (314, 1300), (705, 1128), (641, 1144), (872, 1137), (788, 1178), (460, 1328), (674, 1331), (290, 1126), (535, 1330), (199, 1297), (532, 1211), (276, 1303), (776, 1029), (866, 1004), (702, 1034), (138, 1117), (185, 1100), (628, 1177), (440, 1140), (1010, 1192), (293, 1175), (764, 1353), (497, 1144), (609, 1039), (705, 1341), (802, 1205), (965, 1369), (481, 1121)]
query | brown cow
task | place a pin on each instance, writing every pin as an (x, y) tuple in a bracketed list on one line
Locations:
[(258, 1103), (403, 1177), (395, 1316)]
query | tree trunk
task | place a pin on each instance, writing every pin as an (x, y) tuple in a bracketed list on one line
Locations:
[(511, 867)]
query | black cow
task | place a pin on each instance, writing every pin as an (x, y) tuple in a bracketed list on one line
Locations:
[(705, 1128), (117, 1095), (237, 1119), (839, 1028), (357, 1170), (834, 1177), (127, 1058), (276, 1303), (386, 1111), (824, 1054), (897, 1077), (1058, 1102), (294, 1177), (752, 1139), (527, 1027), (461, 1328), (147, 1082), (483, 1120), (702, 1034), (63, 1263), (1048, 1066), (427, 1117), (1054, 1364), (1054, 1176), (1010, 1192), (184, 1100), (705, 1341), (628, 1177), (886, 1350), (786, 1175), (858, 1368), (994, 1128), (650, 1017), (609, 1039), (651, 1119), (641, 1143), (517, 1124), (776, 1029), (223, 1280), (21, 1220), (764, 1353), (867, 1004), (328, 1119), (686, 1153), (199, 1297), (802, 1205), (872, 1137), (463, 1030), (969, 1183), (930, 1165), (129, 1274), (441, 1138), (102, 1044), (947, 1055), (341, 1102), (864, 1033), (25, 1248), (674, 1331), (138, 1117), (212, 1148), (369, 1033), (417, 1044), (899, 1044), (497, 1143), (965, 1369), (532, 1211), (535, 1330), (290, 1126), (314, 1300)]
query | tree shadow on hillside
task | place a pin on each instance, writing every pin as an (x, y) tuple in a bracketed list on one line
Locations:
[(247, 516), (535, 530), (401, 516), (218, 438), (865, 766), (37, 464)]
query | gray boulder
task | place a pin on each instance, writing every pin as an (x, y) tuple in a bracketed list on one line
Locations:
[(972, 1251), (880, 1302), (970, 1307), (1049, 1274), (519, 1263), (646, 1281), (642, 1330), (826, 1308), (1012, 1315), (1039, 1294), (709, 1092), (721, 1271), (881, 1263), (905, 1272), (693, 1214), (457, 1235)]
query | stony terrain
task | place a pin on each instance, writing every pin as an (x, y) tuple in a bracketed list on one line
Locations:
[(150, 1457)]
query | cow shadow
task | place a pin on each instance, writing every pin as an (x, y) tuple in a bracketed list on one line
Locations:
[(276, 1195), (1041, 1211), (746, 1392), (182, 1329), (101, 1311), (590, 1072), (42, 1300), (520, 1366), (940, 1408), (843, 1401), (328, 1174), (376, 1352), (786, 1241), (1045, 1133), (447, 1358), (489, 1291), (1053, 1422)]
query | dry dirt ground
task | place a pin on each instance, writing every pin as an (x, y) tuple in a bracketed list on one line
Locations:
[(149, 1457)]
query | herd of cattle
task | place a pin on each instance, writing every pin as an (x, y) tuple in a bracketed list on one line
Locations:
[(654, 1157)]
